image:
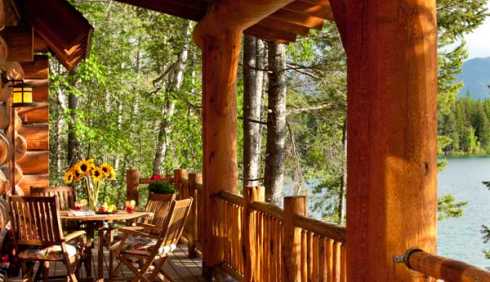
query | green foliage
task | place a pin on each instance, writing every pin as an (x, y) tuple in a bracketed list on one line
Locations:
[(465, 130), (448, 207), (161, 187)]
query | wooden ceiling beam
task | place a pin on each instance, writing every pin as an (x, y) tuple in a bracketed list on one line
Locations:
[(282, 26), (188, 9), (268, 34), (37, 69), (320, 8), (20, 41), (62, 28), (298, 19)]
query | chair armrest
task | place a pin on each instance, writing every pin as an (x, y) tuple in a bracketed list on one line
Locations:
[(136, 232), (74, 235), (147, 226)]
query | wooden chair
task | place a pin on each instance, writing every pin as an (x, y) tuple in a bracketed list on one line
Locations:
[(159, 205), (65, 195), (39, 236), (144, 252)]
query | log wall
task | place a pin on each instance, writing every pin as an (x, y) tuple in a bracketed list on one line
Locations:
[(30, 128)]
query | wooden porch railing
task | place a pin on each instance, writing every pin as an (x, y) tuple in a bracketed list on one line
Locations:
[(259, 241), (443, 269)]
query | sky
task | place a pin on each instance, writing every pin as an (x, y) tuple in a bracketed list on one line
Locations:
[(479, 41)]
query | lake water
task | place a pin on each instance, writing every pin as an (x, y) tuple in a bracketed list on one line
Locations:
[(460, 238)]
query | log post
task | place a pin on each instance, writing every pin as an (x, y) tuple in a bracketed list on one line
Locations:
[(179, 176), (392, 124), (294, 205), (132, 183), (252, 194), (194, 178), (220, 65)]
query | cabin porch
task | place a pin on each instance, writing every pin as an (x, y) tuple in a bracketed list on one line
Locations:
[(392, 199)]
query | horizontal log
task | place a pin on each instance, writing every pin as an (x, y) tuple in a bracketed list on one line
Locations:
[(268, 209), (3, 50), (28, 181), (232, 198), (37, 136), (38, 69), (444, 268), (4, 153), (38, 114), (320, 9), (5, 118), (187, 9), (13, 70), (20, 146), (35, 162), (269, 34), (298, 19), (4, 183), (18, 172), (39, 44), (20, 42), (40, 89), (330, 231)]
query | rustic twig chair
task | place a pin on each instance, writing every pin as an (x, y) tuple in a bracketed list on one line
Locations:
[(65, 195), (144, 252), (39, 236)]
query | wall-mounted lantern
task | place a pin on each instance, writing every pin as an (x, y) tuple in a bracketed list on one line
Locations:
[(21, 94)]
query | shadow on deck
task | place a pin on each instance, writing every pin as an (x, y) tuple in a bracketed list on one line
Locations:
[(178, 268)]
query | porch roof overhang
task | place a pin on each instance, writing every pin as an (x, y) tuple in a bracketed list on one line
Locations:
[(56, 27), (284, 25)]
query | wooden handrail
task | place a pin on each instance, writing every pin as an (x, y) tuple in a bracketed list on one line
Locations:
[(269, 209), (328, 230), (443, 268), (233, 198)]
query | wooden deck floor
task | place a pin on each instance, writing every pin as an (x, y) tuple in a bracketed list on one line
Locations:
[(178, 268)]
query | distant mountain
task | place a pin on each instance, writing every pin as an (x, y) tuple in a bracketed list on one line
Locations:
[(476, 78)]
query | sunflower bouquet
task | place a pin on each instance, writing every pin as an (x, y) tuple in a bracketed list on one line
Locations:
[(91, 177)]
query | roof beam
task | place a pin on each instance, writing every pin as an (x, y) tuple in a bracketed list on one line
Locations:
[(64, 30), (20, 41), (320, 8), (268, 34), (298, 19), (187, 9)]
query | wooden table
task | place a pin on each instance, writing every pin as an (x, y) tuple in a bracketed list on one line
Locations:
[(96, 221)]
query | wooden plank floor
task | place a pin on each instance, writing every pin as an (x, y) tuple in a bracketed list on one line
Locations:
[(179, 268)]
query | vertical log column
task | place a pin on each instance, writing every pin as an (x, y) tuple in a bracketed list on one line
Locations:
[(392, 89), (220, 63)]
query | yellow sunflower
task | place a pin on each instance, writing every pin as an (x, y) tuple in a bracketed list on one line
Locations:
[(76, 174), (84, 166), (97, 174), (107, 169), (68, 177)]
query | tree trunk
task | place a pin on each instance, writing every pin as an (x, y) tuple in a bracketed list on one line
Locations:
[(168, 110), (276, 122), (73, 144), (253, 61)]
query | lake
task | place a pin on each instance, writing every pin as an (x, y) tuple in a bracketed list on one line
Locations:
[(460, 238)]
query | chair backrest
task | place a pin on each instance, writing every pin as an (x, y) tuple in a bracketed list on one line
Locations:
[(65, 195), (4, 213), (35, 221), (175, 222), (159, 205)]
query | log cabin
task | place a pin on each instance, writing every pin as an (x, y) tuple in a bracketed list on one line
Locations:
[(390, 46)]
